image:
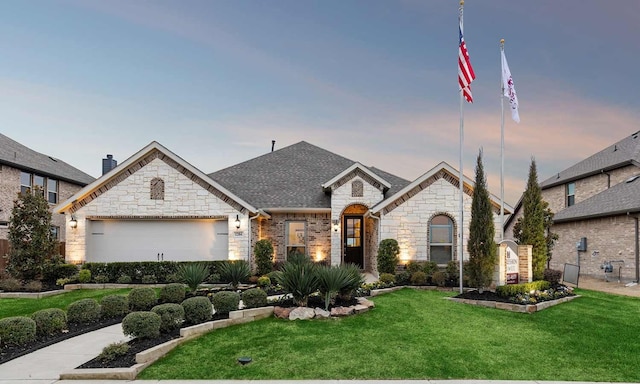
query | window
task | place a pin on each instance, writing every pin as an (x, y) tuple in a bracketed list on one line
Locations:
[(55, 233), (4, 224), (52, 189), (39, 181), (157, 189), (571, 194), (357, 189), (441, 239), (296, 235), (25, 182)]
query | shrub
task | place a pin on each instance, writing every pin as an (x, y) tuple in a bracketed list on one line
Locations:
[(113, 351), (330, 281), (193, 274), (101, 279), (17, 330), (452, 271), (263, 252), (171, 316), (429, 268), (388, 256), (403, 278), (172, 278), (114, 306), (84, 276), (54, 268), (213, 278), (142, 299), (264, 281), (439, 278), (387, 278), (149, 279), (172, 293), (418, 278), (253, 279), (524, 288), (225, 302), (143, 325), (66, 280), (299, 279), (254, 298), (33, 286), (235, 272), (123, 279), (83, 311), (10, 284), (49, 321), (415, 266), (553, 276), (197, 310)]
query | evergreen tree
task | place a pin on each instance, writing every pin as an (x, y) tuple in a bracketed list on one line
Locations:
[(481, 244), (530, 228), (550, 237), (30, 235)]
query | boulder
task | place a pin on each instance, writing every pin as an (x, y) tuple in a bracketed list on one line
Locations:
[(302, 313), (342, 311), (282, 313), (322, 314)]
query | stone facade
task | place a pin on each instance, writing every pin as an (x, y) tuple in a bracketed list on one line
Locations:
[(131, 198), (9, 189)]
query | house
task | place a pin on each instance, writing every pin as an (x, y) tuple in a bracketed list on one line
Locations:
[(157, 206), (23, 169), (596, 203)]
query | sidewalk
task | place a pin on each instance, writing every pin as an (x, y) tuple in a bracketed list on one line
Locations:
[(599, 284)]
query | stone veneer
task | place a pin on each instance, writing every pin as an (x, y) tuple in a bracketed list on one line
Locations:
[(131, 198)]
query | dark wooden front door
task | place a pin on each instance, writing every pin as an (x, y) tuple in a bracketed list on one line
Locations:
[(353, 240)]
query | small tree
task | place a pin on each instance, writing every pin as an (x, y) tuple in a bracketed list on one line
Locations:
[(30, 235), (481, 243), (263, 252), (550, 236), (530, 228), (388, 256)]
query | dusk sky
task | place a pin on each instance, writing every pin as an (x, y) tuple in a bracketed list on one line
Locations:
[(374, 81)]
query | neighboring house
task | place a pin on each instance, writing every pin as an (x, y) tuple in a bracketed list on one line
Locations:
[(597, 199), (22, 169), (156, 206)]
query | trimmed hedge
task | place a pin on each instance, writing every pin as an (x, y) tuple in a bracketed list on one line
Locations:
[(142, 324), (50, 321), (197, 310), (171, 316), (114, 306), (172, 293), (17, 330), (225, 301), (142, 299), (514, 289), (83, 311), (164, 271), (254, 298)]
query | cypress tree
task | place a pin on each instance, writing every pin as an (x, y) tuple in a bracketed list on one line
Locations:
[(481, 244), (531, 228)]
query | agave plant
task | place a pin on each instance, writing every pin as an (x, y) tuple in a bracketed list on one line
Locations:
[(330, 281), (300, 279), (235, 272), (193, 274), (354, 282)]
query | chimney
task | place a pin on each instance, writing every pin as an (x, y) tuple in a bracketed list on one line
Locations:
[(273, 144), (108, 164)]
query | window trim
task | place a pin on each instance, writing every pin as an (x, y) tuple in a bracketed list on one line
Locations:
[(570, 199), (288, 246), (55, 232), (26, 187), (451, 227), (49, 191)]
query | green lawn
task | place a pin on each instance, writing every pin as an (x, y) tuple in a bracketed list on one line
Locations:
[(25, 307), (418, 335)]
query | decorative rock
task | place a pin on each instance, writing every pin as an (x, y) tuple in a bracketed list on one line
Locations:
[(365, 302), (322, 314), (282, 313), (302, 313), (342, 311)]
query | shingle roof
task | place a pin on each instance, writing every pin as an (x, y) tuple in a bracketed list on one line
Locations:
[(622, 198), (291, 177), (624, 152), (18, 156)]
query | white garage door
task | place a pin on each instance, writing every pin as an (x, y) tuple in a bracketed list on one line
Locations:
[(143, 240)]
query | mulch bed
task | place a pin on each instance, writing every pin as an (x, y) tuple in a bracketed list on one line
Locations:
[(486, 295)]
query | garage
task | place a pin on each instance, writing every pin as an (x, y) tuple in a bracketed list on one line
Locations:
[(156, 240)]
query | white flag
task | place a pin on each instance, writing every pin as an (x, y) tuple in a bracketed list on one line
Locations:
[(509, 89)]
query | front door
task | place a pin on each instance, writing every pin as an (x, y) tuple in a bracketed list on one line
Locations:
[(353, 244)]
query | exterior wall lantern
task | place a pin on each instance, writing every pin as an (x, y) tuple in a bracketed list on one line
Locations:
[(73, 223), (336, 225), (237, 222)]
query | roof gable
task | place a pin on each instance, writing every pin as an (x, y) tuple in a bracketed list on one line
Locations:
[(19, 156), (622, 153), (360, 170), (136, 162)]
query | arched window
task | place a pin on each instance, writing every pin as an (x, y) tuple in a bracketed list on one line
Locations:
[(357, 189), (441, 239), (157, 189)]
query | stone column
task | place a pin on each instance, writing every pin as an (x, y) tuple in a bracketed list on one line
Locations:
[(500, 272), (524, 256)]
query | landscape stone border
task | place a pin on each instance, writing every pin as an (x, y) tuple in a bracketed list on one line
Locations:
[(528, 308), (29, 295)]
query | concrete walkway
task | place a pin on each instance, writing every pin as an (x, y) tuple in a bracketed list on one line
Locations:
[(46, 364)]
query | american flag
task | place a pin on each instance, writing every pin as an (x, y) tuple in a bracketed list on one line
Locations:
[(465, 71)]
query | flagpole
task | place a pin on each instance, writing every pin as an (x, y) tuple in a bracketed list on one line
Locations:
[(461, 226), (501, 150)]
